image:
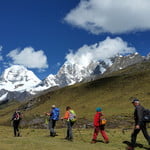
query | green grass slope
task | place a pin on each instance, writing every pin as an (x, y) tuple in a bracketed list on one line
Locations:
[(112, 93), (38, 139)]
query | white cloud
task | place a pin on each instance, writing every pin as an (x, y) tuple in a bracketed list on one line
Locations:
[(99, 51), (1, 57), (29, 58), (114, 16)]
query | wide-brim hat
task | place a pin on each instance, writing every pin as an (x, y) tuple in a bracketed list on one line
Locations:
[(53, 106)]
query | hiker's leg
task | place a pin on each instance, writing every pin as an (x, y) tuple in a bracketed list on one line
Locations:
[(103, 133), (50, 127), (53, 126), (14, 126), (71, 130), (95, 134), (70, 125), (133, 137), (15, 132), (17, 127), (145, 133)]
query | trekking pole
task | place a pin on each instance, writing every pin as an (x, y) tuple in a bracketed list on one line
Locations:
[(125, 129), (78, 129), (63, 126)]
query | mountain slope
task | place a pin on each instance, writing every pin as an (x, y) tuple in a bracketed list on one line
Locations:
[(112, 93)]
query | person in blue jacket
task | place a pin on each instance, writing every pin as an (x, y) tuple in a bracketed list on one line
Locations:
[(53, 117)]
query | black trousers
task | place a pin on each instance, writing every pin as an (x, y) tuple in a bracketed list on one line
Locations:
[(135, 133), (16, 127), (52, 124)]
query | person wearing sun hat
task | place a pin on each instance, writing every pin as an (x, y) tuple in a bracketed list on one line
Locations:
[(139, 124), (53, 118), (98, 126)]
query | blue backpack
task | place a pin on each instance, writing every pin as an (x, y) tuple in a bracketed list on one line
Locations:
[(55, 114)]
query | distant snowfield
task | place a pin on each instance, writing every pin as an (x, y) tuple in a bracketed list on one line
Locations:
[(3, 97)]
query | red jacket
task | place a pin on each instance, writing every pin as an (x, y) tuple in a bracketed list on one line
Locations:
[(97, 118)]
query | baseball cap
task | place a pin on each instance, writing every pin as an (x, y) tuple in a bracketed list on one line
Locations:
[(135, 100)]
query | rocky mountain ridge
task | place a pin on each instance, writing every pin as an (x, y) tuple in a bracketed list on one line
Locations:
[(19, 83)]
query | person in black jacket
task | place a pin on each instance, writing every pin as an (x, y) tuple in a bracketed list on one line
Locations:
[(139, 124), (16, 118)]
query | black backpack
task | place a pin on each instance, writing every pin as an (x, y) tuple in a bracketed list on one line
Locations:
[(17, 116), (146, 116)]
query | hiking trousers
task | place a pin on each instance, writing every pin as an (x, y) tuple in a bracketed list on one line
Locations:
[(100, 129), (16, 127), (52, 124), (69, 130), (135, 133)]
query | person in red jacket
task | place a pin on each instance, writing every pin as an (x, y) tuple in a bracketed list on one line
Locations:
[(98, 127)]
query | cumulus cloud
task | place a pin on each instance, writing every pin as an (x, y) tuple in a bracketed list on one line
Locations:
[(99, 51), (113, 16), (29, 58)]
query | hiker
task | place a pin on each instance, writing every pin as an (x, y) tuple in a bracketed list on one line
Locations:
[(70, 117), (139, 124), (98, 126), (53, 117), (16, 118)]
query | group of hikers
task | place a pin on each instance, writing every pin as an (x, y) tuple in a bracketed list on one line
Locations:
[(99, 123)]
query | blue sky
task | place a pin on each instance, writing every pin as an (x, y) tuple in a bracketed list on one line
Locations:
[(43, 34)]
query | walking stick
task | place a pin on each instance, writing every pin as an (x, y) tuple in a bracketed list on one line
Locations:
[(81, 137)]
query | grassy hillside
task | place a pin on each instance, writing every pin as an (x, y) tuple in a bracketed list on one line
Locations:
[(33, 139), (112, 92)]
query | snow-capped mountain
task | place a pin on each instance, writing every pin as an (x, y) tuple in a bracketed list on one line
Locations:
[(18, 83), (73, 73), (16, 79)]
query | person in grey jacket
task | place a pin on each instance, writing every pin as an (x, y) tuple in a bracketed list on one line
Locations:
[(139, 124)]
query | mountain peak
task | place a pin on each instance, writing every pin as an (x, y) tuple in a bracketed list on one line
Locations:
[(18, 77)]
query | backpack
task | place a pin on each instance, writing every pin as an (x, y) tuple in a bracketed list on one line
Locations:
[(55, 114), (72, 116), (17, 116), (146, 116), (103, 120)]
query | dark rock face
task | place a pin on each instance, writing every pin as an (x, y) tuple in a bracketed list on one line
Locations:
[(125, 61)]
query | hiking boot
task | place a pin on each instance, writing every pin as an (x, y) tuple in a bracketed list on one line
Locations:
[(52, 135), (130, 148), (71, 140), (66, 138), (106, 142), (93, 141)]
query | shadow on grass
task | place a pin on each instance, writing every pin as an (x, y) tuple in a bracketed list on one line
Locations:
[(137, 145), (100, 141)]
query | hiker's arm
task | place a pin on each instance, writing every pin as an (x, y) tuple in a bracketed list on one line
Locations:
[(139, 115), (47, 113), (66, 115)]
